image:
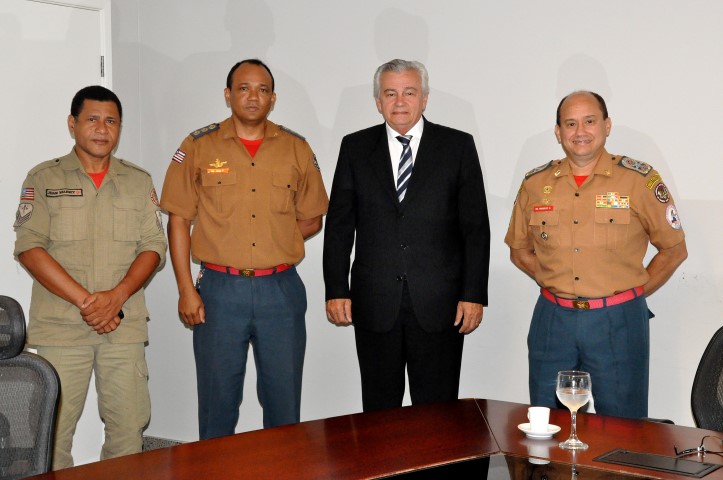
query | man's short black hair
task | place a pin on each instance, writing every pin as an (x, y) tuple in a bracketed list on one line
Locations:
[(599, 99), (252, 61), (97, 93)]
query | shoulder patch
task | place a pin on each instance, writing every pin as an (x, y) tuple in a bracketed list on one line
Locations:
[(23, 214), (538, 169), (288, 130), (636, 165), (196, 134)]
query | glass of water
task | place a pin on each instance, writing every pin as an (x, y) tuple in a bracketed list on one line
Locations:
[(574, 391)]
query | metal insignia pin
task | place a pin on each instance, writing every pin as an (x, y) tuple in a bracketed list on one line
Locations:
[(543, 235)]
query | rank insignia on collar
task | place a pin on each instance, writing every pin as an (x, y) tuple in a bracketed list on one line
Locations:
[(636, 165)]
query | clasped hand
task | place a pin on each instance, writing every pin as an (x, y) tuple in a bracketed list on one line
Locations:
[(100, 311)]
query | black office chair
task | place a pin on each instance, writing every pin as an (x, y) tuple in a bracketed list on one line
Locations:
[(28, 400), (706, 399)]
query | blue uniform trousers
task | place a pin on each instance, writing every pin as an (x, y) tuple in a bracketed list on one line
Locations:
[(611, 343), (266, 312)]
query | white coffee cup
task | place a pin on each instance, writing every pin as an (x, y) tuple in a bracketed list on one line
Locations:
[(539, 419)]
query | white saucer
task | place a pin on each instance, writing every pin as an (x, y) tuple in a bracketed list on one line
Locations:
[(551, 430)]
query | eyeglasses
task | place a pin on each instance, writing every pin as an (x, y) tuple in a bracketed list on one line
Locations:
[(701, 449)]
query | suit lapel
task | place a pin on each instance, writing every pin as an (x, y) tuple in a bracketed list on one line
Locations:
[(424, 162)]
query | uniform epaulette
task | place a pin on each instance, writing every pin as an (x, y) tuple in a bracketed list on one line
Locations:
[(288, 130), (133, 165), (636, 165), (538, 169), (205, 130), (44, 165)]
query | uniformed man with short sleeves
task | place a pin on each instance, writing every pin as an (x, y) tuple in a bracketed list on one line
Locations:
[(89, 231), (253, 192), (580, 228)]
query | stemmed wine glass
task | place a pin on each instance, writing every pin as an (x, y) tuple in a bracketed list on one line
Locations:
[(573, 390)]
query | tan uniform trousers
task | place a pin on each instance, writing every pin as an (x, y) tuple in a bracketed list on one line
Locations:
[(121, 381)]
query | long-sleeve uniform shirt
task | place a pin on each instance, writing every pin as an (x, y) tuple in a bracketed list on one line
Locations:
[(245, 208), (95, 234), (590, 240)]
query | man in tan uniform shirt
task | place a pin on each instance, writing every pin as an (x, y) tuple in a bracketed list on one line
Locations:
[(254, 192), (580, 228), (89, 231)]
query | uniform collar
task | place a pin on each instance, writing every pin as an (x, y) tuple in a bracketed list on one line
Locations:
[(228, 131), (604, 166), (72, 162)]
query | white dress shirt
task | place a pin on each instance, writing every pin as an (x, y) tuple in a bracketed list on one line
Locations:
[(395, 146)]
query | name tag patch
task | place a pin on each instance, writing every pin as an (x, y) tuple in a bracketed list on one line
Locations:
[(543, 208), (64, 192)]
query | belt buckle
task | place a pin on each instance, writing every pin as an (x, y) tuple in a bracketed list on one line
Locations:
[(581, 304), (247, 272)]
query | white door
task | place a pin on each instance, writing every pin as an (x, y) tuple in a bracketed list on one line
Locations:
[(50, 50)]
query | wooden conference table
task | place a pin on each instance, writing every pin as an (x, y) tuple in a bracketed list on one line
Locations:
[(404, 440)]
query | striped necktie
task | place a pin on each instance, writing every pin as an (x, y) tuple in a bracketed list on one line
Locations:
[(405, 166)]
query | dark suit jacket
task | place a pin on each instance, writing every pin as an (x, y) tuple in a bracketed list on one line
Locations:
[(438, 238)]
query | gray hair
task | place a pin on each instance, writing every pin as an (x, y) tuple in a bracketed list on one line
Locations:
[(400, 66)]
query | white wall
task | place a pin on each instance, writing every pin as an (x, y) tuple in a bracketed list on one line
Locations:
[(497, 70)]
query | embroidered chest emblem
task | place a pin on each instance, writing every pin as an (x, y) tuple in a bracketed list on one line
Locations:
[(217, 167), (612, 200)]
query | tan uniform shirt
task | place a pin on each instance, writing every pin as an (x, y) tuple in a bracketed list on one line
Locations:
[(590, 241), (245, 209), (95, 235)]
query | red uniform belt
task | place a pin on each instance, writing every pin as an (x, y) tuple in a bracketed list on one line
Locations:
[(248, 272), (591, 303)]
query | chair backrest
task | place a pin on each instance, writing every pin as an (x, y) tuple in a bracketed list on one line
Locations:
[(707, 394), (28, 400)]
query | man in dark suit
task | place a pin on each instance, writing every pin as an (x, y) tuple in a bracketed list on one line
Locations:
[(411, 194)]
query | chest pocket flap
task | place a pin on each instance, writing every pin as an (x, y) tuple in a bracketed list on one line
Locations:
[(218, 179), (285, 185), (611, 227), (127, 218), (545, 227)]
